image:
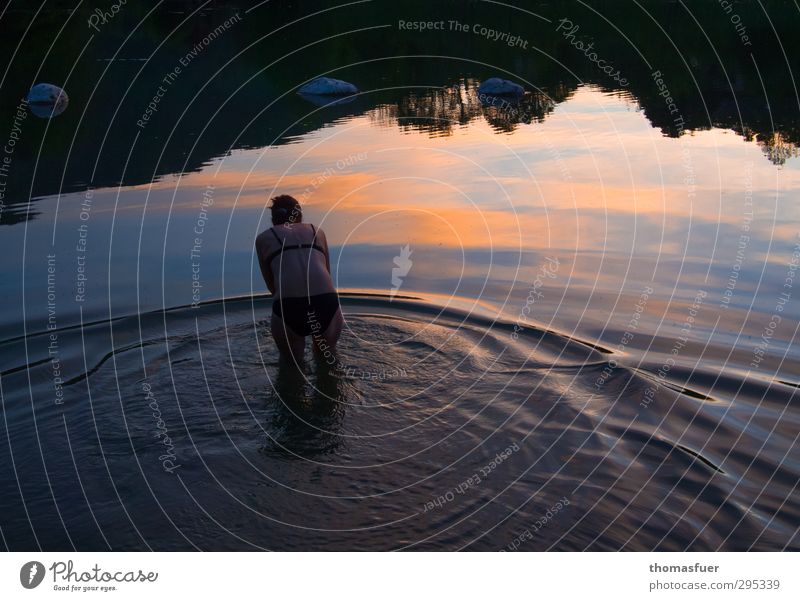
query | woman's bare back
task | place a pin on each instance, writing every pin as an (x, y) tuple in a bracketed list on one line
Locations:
[(303, 267)]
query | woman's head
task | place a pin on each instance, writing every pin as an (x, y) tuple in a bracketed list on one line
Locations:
[(285, 209)]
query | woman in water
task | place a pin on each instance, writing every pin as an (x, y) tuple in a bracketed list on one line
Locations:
[(296, 266)]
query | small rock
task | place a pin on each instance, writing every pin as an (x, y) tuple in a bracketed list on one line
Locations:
[(46, 100), (496, 86), (326, 86)]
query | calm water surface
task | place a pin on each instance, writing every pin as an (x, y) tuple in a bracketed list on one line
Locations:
[(593, 347)]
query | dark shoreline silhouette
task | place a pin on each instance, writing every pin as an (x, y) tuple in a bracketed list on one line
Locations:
[(237, 91)]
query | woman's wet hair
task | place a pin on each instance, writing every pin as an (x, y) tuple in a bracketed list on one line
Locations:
[(285, 209)]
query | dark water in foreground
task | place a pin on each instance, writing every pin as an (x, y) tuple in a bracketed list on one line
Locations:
[(438, 431)]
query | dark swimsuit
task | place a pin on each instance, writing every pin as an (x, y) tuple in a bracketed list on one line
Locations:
[(304, 315)]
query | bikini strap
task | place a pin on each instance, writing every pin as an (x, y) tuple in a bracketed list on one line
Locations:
[(278, 252), (283, 247)]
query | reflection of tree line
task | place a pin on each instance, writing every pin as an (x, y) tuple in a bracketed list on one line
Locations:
[(775, 146), (714, 80), (438, 111)]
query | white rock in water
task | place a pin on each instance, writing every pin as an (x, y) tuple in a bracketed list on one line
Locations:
[(46, 100), (325, 86), (500, 87)]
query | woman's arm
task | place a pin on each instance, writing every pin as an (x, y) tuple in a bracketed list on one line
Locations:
[(266, 270), (327, 251)]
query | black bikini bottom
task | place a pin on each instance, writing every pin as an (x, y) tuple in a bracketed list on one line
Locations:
[(307, 315)]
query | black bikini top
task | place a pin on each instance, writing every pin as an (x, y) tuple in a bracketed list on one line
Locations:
[(283, 247)]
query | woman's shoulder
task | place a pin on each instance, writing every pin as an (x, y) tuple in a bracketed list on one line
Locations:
[(265, 238), (310, 228)]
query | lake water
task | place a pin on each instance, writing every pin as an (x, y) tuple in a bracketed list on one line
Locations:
[(593, 345)]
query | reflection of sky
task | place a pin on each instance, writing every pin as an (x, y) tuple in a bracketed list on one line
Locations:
[(593, 183), (594, 175)]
